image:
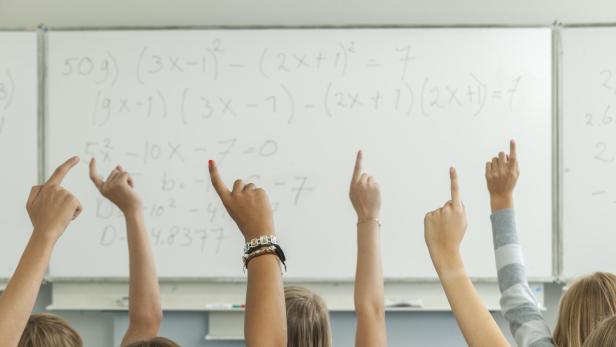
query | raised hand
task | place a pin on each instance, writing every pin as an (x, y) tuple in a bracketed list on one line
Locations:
[(364, 193), (118, 187), (444, 228), (444, 231), (502, 175), (51, 207), (248, 205)]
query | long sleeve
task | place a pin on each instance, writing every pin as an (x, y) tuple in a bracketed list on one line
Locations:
[(518, 304)]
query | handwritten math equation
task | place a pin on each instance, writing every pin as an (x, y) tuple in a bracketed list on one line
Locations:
[(289, 87), (7, 94), (327, 71), (602, 120)]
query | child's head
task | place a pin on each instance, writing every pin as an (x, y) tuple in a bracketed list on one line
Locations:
[(585, 304), (307, 319), (155, 342), (48, 330), (603, 335)]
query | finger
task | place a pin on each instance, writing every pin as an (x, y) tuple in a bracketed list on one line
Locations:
[(249, 186), (238, 185), (130, 181), (357, 169), (219, 186), (512, 150), (96, 179), (116, 173), (34, 192), (488, 168), (78, 210), (112, 175), (455, 188), (502, 158), (124, 176), (363, 178), (494, 163), (61, 171), (371, 180)]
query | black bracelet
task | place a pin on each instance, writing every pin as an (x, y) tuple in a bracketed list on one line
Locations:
[(279, 253)]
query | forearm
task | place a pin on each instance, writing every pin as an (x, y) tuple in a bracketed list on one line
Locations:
[(369, 296), (501, 201), (369, 270), (145, 313), (518, 303), (20, 295), (266, 321), (474, 319)]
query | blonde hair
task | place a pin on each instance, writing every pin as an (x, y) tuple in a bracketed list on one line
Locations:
[(585, 304), (603, 335), (155, 342), (307, 319), (48, 330)]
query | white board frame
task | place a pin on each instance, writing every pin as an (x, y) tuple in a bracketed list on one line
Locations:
[(556, 233), (559, 27)]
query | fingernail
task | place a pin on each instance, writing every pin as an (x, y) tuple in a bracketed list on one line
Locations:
[(210, 163)]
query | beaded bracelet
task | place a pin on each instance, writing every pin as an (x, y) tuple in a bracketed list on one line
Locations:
[(246, 258), (264, 240), (262, 250)]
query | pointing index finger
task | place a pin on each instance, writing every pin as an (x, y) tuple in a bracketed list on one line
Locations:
[(217, 182), (357, 170), (61, 171), (512, 150), (455, 188), (98, 182)]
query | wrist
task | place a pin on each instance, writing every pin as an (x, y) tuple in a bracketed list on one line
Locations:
[(254, 233), (501, 201), (45, 237), (132, 213), (368, 216), (447, 260)]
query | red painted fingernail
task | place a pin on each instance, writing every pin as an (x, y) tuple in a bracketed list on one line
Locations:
[(210, 162)]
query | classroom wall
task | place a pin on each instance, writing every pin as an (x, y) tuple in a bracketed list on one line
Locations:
[(405, 329), (29, 13), (104, 329)]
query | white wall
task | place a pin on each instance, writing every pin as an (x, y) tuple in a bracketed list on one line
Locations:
[(405, 329), (30, 13)]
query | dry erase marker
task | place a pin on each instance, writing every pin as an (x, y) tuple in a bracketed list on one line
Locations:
[(404, 303), (224, 306)]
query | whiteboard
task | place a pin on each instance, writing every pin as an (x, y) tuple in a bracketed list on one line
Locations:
[(589, 148), (288, 109), (18, 142)]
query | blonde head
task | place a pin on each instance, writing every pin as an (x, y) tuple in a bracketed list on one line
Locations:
[(48, 330), (603, 335), (155, 342), (307, 319), (585, 304)]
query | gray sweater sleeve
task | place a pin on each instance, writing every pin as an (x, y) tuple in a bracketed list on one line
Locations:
[(518, 304)]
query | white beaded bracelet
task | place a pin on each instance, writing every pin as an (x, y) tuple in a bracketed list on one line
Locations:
[(265, 240)]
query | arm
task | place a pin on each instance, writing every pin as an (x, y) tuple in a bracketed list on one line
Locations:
[(266, 321), (369, 302), (51, 208), (518, 303), (144, 311), (444, 231)]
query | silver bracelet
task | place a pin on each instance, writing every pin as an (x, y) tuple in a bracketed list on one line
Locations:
[(266, 240), (375, 220)]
